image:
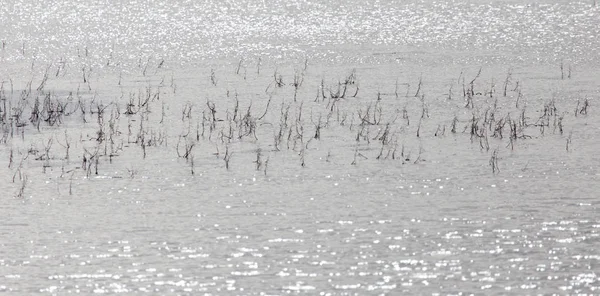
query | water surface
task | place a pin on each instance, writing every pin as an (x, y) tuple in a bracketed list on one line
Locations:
[(388, 199)]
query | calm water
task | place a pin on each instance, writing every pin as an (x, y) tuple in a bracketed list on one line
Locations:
[(403, 184)]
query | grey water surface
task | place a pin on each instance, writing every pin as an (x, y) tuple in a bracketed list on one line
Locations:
[(267, 147)]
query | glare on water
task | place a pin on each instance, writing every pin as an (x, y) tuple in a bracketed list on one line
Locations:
[(266, 147)]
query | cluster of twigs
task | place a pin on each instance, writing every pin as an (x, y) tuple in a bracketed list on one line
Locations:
[(382, 122)]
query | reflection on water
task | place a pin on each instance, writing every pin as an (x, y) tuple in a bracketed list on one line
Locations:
[(260, 242), (342, 31)]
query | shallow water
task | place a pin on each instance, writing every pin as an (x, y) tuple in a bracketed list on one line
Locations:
[(395, 202)]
